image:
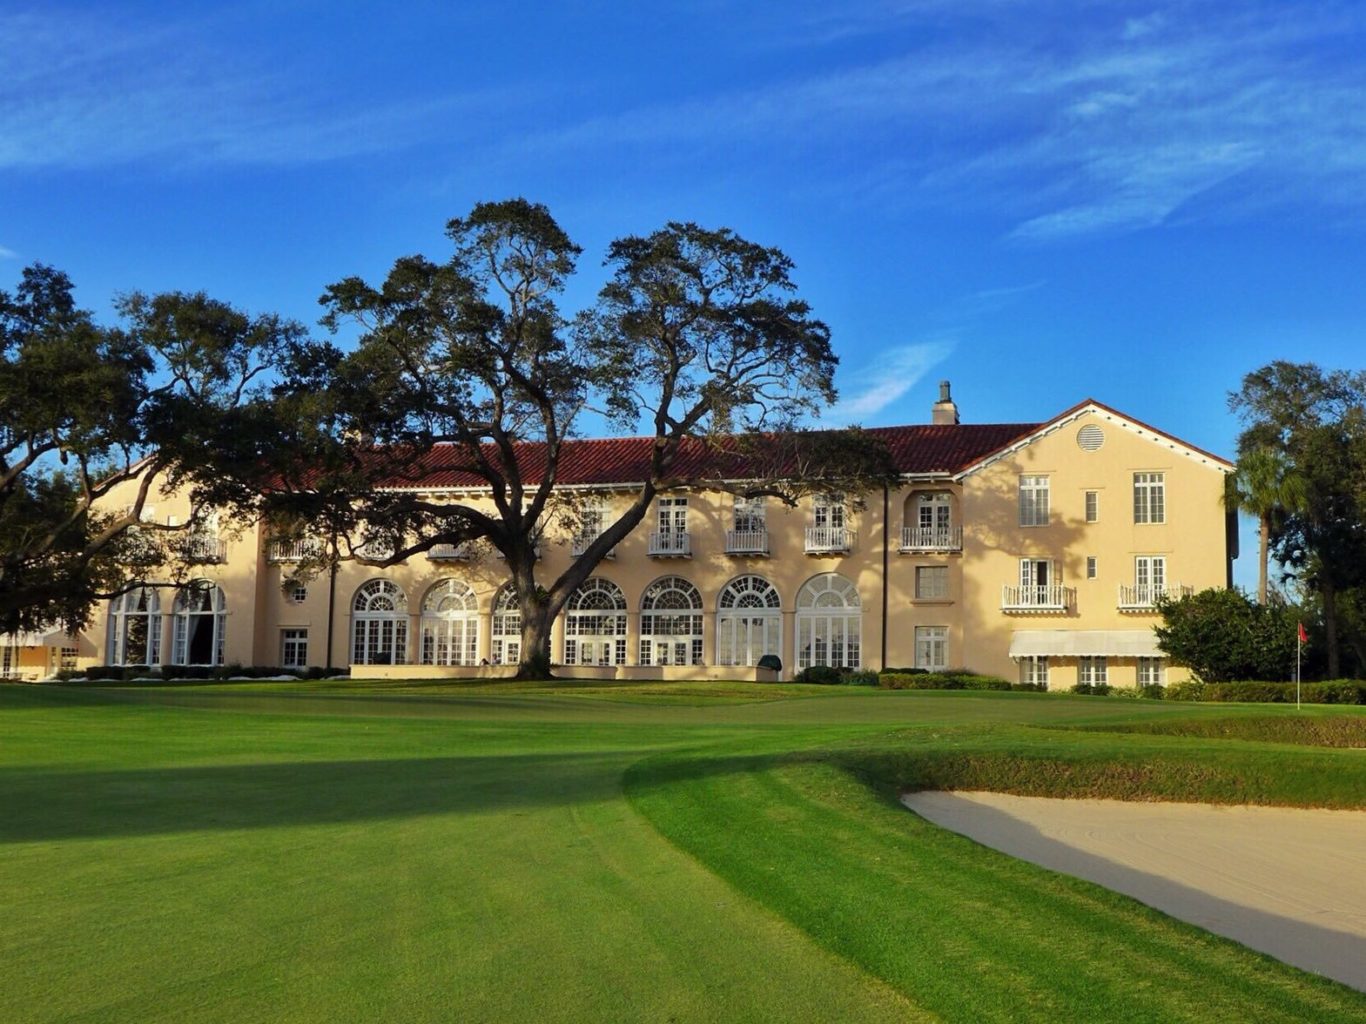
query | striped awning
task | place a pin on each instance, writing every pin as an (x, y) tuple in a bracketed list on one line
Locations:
[(1084, 643)]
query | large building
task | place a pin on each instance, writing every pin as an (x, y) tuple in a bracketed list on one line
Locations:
[(1034, 551)]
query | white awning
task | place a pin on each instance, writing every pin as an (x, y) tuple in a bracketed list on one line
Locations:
[(1084, 643), (52, 638)]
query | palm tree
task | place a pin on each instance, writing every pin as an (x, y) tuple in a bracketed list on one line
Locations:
[(1265, 485)]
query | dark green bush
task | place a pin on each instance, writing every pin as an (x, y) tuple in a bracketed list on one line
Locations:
[(1092, 689), (1192, 689), (904, 671), (1029, 687), (860, 677), (1152, 691), (956, 680), (1341, 691), (823, 675)]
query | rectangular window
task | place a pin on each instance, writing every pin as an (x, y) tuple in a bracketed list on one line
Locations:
[(1090, 567), (750, 515), (1034, 671), (932, 582), (1033, 501), (1150, 672), (1093, 506), (1150, 498), (9, 661), (673, 516), (827, 510), (932, 648), (294, 648), (1150, 578), (1091, 671)]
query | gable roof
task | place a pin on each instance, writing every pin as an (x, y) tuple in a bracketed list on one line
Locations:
[(1129, 423)]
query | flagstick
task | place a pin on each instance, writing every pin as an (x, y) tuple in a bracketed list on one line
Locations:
[(1298, 644)]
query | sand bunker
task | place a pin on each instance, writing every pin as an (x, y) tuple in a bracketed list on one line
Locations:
[(1285, 881)]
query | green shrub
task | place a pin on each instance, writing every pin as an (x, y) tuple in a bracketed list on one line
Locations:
[(903, 671), (861, 677), (955, 680), (1092, 689), (1190, 690), (1152, 691), (1342, 691), (1029, 687), (823, 675)]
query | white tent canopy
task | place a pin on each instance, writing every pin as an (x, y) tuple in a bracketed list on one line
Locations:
[(52, 638), (1084, 643)]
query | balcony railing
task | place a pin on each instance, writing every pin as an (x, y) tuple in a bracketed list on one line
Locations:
[(375, 550), (1037, 599), (827, 539), (580, 542), (294, 550), (746, 542), (1144, 597), (449, 552), (673, 544), (919, 538), (204, 548)]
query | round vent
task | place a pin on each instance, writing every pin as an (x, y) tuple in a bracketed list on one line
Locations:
[(1090, 438)]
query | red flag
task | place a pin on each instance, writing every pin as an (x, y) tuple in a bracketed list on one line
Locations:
[(1304, 637)]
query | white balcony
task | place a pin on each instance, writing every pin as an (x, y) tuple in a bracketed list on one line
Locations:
[(581, 541), (1144, 597), (203, 548), (825, 540), (375, 550), (920, 538), (1037, 599), (674, 544), (450, 552), (294, 550), (747, 542)]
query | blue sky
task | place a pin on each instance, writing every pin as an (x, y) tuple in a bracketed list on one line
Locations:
[(1136, 202)]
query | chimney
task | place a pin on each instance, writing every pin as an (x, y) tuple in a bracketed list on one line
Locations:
[(944, 411)]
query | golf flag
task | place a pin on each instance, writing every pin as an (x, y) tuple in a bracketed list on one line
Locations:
[(1304, 637)]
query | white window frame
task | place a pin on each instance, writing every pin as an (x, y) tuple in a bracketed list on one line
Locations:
[(1092, 567), (1034, 500), (1034, 670), (1150, 577), (829, 623), (379, 624), (1151, 672), (130, 605), (505, 636), (671, 514), (828, 511), (595, 624), (448, 631), (187, 620), (749, 515), (939, 573), (749, 621), (932, 648), (671, 623), (934, 511), (294, 648), (1092, 501), (1092, 671), (1150, 498)]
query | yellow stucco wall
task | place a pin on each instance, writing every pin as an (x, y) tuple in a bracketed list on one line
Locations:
[(985, 505)]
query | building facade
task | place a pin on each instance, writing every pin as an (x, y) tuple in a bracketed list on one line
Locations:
[(1032, 551)]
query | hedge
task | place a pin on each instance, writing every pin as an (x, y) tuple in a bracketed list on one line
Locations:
[(1338, 691), (941, 681)]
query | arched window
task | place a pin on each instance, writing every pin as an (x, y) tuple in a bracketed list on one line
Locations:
[(199, 618), (671, 623), (379, 625), (595, 624), (135, 628), (450, 625), (506, 646), (749, 621), (829, 623)]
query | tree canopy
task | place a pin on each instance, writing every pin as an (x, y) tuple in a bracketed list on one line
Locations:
[(86, 408), (471, 364)]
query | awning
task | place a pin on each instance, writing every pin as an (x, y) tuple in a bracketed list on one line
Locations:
[(52, 638), (1084, 643)]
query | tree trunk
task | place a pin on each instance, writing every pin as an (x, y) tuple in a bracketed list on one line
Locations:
[(535, 662), (1265, 553), (1330, 626)]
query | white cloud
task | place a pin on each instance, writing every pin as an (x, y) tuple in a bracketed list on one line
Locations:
[(7, 253), (879, 386)]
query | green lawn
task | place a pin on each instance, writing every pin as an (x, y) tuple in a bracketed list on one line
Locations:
[(724, 852)]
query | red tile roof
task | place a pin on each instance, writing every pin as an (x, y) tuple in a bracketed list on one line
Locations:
[(915, 450)]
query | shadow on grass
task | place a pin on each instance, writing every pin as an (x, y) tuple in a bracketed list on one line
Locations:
[(1339, 955)]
